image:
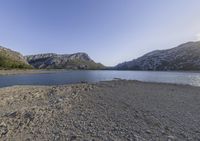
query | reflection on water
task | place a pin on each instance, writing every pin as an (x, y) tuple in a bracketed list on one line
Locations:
[(66, 77)]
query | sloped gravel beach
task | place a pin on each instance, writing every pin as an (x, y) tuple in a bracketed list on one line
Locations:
[(116, 110)]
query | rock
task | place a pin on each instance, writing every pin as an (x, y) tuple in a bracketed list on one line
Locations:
[(148, 131), (163, 132), (28, 116), (171, 138), (83, 82), (11, 114), (3, 129), (73, 137)]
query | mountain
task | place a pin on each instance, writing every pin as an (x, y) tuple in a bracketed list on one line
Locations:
[(63, 61), (10, 59), (184, 57)]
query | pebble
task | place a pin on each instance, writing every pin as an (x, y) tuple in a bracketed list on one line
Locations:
[(3, 129), (170, 138), (148, 131), (11, 114)]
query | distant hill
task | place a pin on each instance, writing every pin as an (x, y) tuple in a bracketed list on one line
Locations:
[(183, 57), (10, 59), (63, 61)]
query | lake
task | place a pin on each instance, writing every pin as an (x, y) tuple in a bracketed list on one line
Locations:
[(69, 77)]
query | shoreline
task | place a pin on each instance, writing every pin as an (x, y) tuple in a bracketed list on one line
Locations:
[(37, 71), (107, 110), (20, 71), (28, 71)]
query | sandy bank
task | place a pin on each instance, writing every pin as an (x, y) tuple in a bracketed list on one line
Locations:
[(115, 110)]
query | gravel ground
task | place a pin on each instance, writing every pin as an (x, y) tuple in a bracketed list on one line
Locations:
[(115, 110)]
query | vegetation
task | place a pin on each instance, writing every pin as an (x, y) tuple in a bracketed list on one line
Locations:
[(79, 65), (85, 64), (9, 61)]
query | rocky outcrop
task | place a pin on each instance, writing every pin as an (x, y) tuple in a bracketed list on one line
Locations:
[(12, 59), (63, 61), (183, 57)]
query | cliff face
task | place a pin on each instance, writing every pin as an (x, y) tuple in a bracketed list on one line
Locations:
[(11, 59), (183, 57), (63, 61)]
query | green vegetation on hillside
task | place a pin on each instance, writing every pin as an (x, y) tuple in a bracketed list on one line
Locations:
[(85, 64), (7, 61)]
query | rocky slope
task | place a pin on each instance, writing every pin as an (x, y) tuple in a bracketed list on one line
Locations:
[(183, 57), (64, 61), (12, 59)]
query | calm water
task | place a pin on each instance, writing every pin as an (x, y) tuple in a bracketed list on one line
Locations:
[(66, 77)]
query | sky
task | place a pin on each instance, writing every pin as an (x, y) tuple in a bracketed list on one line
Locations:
[(110, 31)]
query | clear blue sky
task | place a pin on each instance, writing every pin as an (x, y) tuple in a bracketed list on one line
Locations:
[(110, 31)]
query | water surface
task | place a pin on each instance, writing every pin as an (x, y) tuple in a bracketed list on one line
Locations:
[(66, 77)]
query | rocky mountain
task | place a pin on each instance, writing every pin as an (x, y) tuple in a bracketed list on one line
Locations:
[(184, 57), (10, 59), (63, 61)]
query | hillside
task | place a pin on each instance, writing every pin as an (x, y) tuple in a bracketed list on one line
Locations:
[(63, 61), (183, 57), (11, 59)]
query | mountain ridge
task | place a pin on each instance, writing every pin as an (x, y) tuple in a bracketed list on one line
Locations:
[(183, 57), (78, 60)]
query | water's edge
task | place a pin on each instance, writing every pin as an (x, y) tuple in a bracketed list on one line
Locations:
[(90, 76)]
